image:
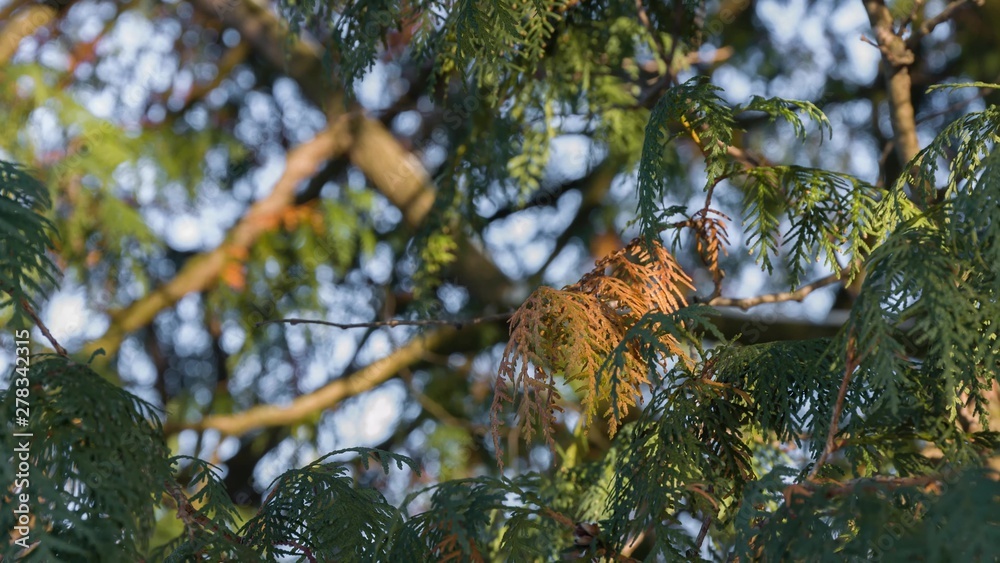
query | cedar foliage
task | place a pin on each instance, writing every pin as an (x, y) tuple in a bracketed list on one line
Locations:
[(573, 331), (799, 450)]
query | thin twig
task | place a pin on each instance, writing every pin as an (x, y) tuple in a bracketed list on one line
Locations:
[(797, 295), (852, 364), (45, 330), (956, 106), (457, 323), (190, 516), (877, 481), (706, 523), (306, 552)]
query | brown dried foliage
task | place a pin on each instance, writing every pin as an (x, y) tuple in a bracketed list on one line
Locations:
[(450, 549), (711, 239), (571, 332)]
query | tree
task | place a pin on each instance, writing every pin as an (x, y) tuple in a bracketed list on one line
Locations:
[(350, 296)]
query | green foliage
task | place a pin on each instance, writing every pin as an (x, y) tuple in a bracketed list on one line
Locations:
[(929, 305), (209, 516), (94, 466), (829, 214), (799, 450), (963, 145), (956, 85), (693, 108), (786, 110), (340, 521), (941, 519), (778, 378), (26, 272)]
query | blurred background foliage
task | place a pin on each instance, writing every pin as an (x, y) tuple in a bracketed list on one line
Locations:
[(217, 164)]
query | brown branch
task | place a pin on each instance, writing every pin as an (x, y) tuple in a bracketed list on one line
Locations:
[(25, 23), (634, 544), (30, 311), (203, 270), (706, 523), (326, 397), (45, 330), (741, 156), (946, 14), (838, 407), (917, 5), (10, 8), (188, 514), (851, 486), (457, 323), (394, 171), (797, 295), (896, 59)]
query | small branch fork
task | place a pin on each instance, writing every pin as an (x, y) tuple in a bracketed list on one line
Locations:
[(852, 364), (946, 14)]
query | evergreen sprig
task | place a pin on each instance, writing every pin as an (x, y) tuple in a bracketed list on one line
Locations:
[(829, 214), (318, 509), (97, 463), (788, 111), (939, 516), (26, 272)]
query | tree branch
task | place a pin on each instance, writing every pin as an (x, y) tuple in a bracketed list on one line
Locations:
[(896, 60), (10, 8), (457, 323), (326, 397), (395, 172), (797, 295), (706, 523), (838, 407), (204, 269), (927, 27), (24, 23), (30, 311)]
